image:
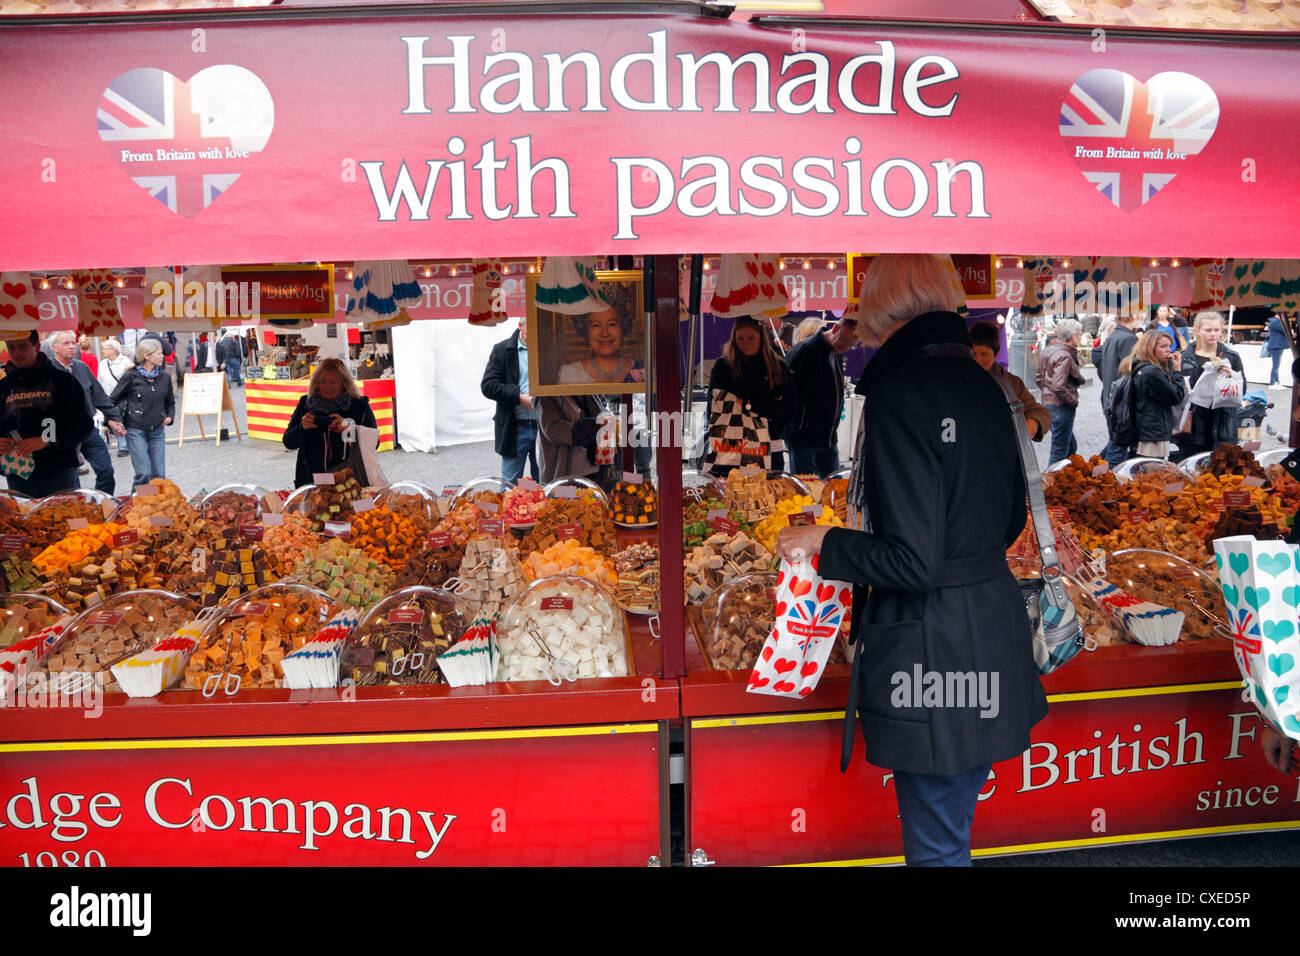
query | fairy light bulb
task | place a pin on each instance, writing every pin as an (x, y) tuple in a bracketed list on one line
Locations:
[(807, 263)]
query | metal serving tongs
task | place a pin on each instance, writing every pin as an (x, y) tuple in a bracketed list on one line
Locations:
[(457, 584), (1220, 626), (558, 670)]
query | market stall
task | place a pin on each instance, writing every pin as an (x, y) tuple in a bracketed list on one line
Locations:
[(520, 770), (270, 405)]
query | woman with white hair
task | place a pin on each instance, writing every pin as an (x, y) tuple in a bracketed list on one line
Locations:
[(936, 496), (1059, 378), (147, 402), (112, 366)]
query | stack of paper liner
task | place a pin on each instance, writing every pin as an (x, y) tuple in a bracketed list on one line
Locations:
[(151, 672), (473, 659), (1152, 625), (20, 659), (316, 663)]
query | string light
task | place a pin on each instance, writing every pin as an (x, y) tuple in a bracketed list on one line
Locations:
[(532, 269), (349, 273), (453, 272), (1020, 263), (781, 263), (1154, 263), (428, 272), (1065, 263), (505, 270), (45, 283), (122, 282), (807, 263), (69, 283), (1174, 263)]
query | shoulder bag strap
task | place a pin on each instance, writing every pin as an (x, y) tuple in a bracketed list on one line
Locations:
[(1033, 478)]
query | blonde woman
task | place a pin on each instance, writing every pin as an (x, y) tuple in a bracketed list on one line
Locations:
[(939, 485), (147, 403), (1209, 426), (1158, 389), (316, 428)]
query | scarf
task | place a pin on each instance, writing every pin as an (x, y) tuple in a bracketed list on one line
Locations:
[(150, 374)]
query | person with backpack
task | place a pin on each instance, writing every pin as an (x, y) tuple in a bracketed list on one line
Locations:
[(1058, 378), (1119, 343), (1153, 390)]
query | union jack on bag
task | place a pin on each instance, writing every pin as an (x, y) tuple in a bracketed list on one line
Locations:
[(809, 612)]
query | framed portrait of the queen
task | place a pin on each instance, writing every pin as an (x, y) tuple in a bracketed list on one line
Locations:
[(600, 351)]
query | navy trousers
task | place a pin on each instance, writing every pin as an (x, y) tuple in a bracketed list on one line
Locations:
[(936, 813)]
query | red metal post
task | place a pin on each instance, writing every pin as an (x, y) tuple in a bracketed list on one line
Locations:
[(668, 396)]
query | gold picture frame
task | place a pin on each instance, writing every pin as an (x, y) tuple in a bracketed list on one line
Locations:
[(561, 361)]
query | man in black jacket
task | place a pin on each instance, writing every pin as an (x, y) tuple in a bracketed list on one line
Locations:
[(1114, 350), (63, 346), (230, 357), (42, 415), (817, 368), (505, 381)]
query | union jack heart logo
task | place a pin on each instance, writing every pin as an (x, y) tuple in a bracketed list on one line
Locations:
[(186, 142), (1130, 139)]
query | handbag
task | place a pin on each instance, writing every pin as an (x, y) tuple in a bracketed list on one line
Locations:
[(1056, 631), (737, 435)]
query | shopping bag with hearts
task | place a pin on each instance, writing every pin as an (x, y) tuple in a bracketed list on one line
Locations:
[(1261, 589), (809, 611)]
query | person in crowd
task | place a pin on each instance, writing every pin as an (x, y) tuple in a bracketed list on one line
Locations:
[(505, 381), (751, 370), (146, 401), (205, 355), (64, 348), (318, 428), (985, 343), (568, 427), (43, 415), (1276, 347), (1117, 346), (87, 356), (1164, 322), (1157, 389), (1178, 318), (230, 357), (1209, 426), (939, 493), (112, 366), (1058, 379), (806, 329), (816, 369)]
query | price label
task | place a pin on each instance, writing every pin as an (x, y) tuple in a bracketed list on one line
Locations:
[(724, 526), (1138, 517), (716, 513), (78, 524), (1250, 445), (631, 477), (13, 542), (252, 532), (491, 527), (801, 518), (1219, 506), (450, 491), (1236, 499), (363, 504), (406, 615), (566, 532), (566, 491), (160, 521), (814, 510), (250, 609), (1174, 487), (337, 529), (146, 491), (123, 538), (440, 539), (1251, 481), (1100, 469), (107, 618), (273, 520), (527, 484), (322, 478), (557, 604), (487, 507), (271, 501)]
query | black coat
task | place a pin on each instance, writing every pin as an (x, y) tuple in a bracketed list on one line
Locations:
[(95, 397), (818, 376), (1210, 426), (1113, 351), (230, 350), (31, 396), (144, 403), (946, 497), (501, 385), (1156, 393), (319, 449)]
